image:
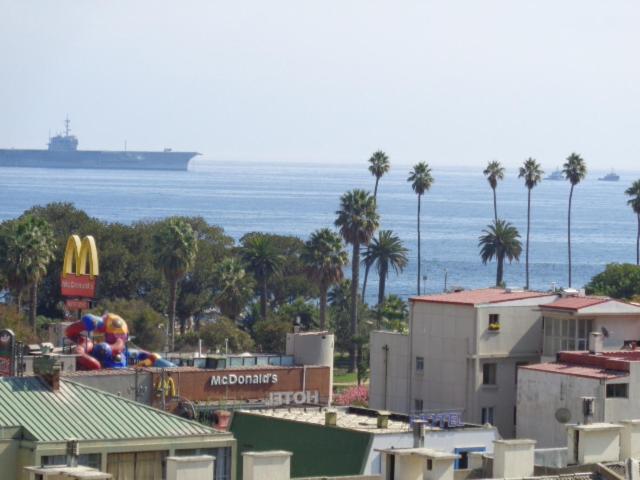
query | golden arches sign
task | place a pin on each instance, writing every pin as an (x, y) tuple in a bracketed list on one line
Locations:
[(80, 267)]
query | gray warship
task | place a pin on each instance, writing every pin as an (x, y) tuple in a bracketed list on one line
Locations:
[(62, 152)]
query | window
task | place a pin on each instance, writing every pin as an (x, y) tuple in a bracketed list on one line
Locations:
[(494, 318), (463, 462), (418, 405), (429, 464), (488, 415), (518, 365), (566, 334), (92, 460), (489, 373), (618, 390), (419, 364)]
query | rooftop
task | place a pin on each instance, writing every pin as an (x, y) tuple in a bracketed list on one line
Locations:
[(48, 416), (593, 305), (479, 297), (607, 365), (575, 303)]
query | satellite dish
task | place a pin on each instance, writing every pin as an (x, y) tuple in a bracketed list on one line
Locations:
[(563, 415)]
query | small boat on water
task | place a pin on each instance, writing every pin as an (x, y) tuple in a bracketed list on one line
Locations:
[(610, 177), (556, 175)]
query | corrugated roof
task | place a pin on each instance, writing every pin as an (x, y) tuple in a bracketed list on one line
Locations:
[(84, 413), (575, 303), (479, 297)]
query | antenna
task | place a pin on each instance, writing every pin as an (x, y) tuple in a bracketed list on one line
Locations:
[(66, 126)]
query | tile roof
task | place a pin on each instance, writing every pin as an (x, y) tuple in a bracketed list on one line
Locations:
[(479, 297), (575, 303), (607, 365), (576, 370), (84, 413)]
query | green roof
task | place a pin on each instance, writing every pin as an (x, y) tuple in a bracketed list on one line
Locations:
[(80, 412)]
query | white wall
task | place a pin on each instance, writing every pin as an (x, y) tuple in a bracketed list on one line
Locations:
[(541, 394), (397, 371), (190, 468)]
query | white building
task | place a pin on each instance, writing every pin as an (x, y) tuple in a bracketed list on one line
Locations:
[(550, 394), (461, 355)]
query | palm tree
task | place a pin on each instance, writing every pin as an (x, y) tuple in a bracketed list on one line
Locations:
[(32, 250), (175, 245), (357, 221), (10, 262), (494, 173), (574, 171), (264, 261), (421, 181), (532, 174), (324, 257), (634, 202), (386, 251), (500, 240), (236, 288), (378, 166)]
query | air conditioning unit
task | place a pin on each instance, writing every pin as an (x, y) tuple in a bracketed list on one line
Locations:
[(513, 289)]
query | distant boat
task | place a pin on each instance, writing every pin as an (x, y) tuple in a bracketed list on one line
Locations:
[(610, 177), (63, 152), (556, 175)]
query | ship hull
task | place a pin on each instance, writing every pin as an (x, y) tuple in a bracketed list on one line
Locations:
[(96, 159)]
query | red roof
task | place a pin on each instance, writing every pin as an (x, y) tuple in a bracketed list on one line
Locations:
[(607, 365), (478, 297), (576, 370), (575, 303)]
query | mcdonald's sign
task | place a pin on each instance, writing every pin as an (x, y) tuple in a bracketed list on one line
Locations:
[(80, 267)]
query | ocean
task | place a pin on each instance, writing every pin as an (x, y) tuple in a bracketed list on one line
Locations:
[(295, 199)]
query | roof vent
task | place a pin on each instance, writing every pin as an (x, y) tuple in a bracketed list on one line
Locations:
[(331, 418), (513, 289), (570, 292)]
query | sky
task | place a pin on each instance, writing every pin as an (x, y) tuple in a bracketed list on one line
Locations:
[(452, 82)]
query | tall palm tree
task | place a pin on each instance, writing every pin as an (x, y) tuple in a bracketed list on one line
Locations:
[(421, 181), (532, 174), (264, 261), (494, 173), (32, 250), (378, 166), (386, 251), (357, 220), (500, 240), (634, 202), (10, 262), (575, 170), (236, 287), (175, 245), (324, 257)]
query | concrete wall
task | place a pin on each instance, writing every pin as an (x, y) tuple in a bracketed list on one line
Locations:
[(190, 468), (541, 394), (617, 409), (396, 381), (134, 385)]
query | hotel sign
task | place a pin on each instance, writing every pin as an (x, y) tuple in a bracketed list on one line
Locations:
[(244, 379), (80, 268), (293, 398)]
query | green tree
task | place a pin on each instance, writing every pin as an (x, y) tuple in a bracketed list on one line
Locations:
[(395, 313), (32, 251), (13, 276), (264, 261), (324, 257), (634, 202), (494, 173), (532, 174), (385, 251), (500, 240), (224, 332), (175, 246), (235, 288), (357, 219), (271, 335), (575, 170), (618, 280), (421, 181)]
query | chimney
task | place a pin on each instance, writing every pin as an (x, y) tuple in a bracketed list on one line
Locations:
[(73, 452), (190, 468), (418, 433), (595, 343), (272, 465), (588, 409), (593, 443), (330, 418), (383, 419), (48, 368), (630, 440), (513, 458)]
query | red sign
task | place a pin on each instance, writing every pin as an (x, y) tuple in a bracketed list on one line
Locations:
[(73, 304), (78, 286)]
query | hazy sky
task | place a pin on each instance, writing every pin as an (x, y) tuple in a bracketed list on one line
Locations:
[(450, 82)]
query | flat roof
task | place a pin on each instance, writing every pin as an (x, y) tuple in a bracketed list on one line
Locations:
[(479, 297), (605, 305), (608, 365)]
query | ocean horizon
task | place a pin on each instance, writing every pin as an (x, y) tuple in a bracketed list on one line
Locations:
[(300, 197)]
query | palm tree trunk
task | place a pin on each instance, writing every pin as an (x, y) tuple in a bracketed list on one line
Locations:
[(375, 189), (355, 273), (528, 229), (381, 288), (323, 306), (172, 313), (263, 299), (34, 306), (419, 258), (500, 270), (569, 232), (19, 300), (364, 283), (638, 243), (495, 205)]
